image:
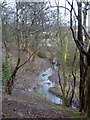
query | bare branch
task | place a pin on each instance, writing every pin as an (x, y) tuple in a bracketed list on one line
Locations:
[(72, 8), (88, 35), (27, 59), (61, 7), (78, 43)]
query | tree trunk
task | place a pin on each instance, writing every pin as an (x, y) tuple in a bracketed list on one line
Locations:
[(80, 38), (88, 94), (88, 84), (10, 82)]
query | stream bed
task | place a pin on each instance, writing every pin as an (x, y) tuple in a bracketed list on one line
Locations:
[(45, 84)]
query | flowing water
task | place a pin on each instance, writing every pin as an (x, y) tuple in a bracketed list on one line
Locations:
[(45, 84)]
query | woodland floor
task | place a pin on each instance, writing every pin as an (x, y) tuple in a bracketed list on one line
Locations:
[(25, 102)]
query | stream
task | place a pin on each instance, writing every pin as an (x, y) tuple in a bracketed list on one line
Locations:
[(45, 84)]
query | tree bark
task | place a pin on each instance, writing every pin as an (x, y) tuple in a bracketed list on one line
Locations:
[(88, 92), (88, 84), (10, 82), (80, 38)]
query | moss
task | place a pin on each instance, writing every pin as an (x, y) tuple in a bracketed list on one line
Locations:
[(56, 91), (1, 84), (39, 95)]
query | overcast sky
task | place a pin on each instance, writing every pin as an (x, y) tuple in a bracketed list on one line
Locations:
[(54, 2)]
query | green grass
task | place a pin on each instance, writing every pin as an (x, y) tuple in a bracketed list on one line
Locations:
[(72, 113), (30, 103), (55, 107), (76, 114)]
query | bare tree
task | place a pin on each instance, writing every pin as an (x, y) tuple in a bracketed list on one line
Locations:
[(83, 53)]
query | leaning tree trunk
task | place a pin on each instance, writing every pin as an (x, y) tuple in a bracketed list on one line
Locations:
[(10, 81)]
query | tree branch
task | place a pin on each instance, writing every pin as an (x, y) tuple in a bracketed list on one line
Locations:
[(88, 35), (61, 7), (78, 43), (27, 59)]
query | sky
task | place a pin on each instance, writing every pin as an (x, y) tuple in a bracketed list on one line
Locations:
[(61, 2), (54, 2), (10, 1)]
